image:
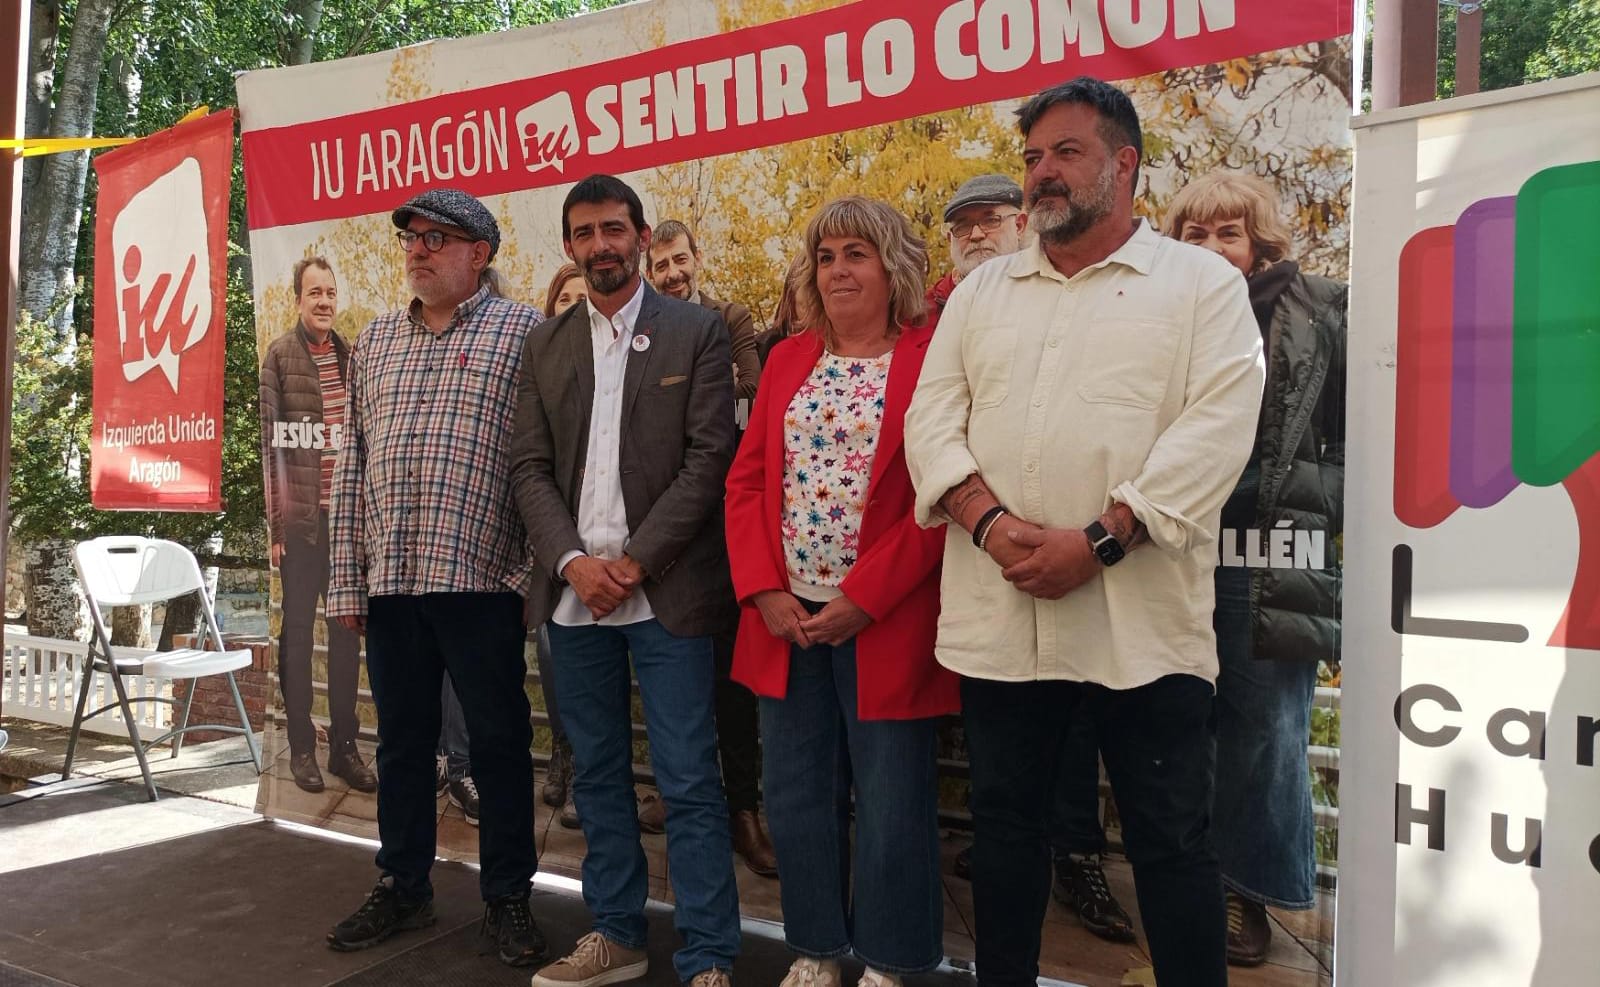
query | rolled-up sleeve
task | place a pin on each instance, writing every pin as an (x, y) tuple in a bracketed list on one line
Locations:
[(1196, 461), (936, 422)]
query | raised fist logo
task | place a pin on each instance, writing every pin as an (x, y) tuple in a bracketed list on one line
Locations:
[(549, 133), (163, 273), (1498, 378)]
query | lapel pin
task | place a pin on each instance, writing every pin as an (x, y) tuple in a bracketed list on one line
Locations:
[(641, 343)]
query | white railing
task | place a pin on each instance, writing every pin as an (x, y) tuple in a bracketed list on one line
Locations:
[(40, 680)]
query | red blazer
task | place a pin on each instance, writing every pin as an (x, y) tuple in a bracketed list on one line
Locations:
[(896, 575)]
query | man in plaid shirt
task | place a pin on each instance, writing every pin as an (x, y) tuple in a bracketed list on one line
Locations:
[(430, 561)]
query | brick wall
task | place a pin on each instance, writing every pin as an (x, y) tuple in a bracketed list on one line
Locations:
[(213, 703)]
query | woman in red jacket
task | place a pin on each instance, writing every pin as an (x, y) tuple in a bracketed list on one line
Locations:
[(839, 592)]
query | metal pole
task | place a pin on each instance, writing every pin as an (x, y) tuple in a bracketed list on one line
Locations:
[(1405, 52), (13, 87), (1469, 50)]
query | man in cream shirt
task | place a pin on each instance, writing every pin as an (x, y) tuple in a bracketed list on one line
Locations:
[(1085, 408)]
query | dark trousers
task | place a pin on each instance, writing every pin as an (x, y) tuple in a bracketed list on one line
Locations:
[(1157, 746), (738, 733), (412, 642), (304, 574), (1075, 813)]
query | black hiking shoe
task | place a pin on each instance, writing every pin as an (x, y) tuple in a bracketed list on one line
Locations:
[(1081, 886), (509, 931), (383, 914)]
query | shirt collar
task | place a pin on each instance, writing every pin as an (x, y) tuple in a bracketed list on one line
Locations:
[(463, 312), (628, 314), (1138, 252), (694, 299)]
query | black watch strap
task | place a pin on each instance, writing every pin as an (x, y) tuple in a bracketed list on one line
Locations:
[(1106, 548)]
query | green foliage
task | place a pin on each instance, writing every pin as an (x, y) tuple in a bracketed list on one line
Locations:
[(1574, 44), (1525, 41)]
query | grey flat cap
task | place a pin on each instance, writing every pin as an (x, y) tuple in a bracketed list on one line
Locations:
[(985, 190), (452, 207)]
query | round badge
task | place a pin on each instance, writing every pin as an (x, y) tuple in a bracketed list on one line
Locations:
[(641, 343)]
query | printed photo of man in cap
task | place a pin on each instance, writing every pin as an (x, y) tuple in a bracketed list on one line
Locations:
[(430, 561)]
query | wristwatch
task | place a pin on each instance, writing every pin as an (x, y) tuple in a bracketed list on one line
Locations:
[(1106, 548)]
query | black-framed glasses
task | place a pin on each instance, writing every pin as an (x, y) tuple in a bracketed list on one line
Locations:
[(432, 239), (987, 224)]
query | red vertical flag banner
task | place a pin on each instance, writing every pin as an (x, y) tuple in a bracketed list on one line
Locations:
[(161, 238)]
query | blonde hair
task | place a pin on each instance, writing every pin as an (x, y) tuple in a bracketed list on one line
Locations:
[(1221, 195), (902, 251)]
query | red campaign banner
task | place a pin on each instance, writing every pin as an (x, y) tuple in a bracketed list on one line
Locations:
[(160, 300), (836, 70)]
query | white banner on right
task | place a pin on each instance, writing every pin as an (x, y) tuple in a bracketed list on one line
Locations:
[(1470, 825)]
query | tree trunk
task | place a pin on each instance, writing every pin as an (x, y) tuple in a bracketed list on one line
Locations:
[(303, 17), (43, 23), (183, 616), (55, 605), (130, 626), (50, 226)]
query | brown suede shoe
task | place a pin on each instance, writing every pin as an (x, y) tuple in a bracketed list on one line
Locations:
[(750, 842), (1249, 932), (344, 762), (303, 767), (595, 961), (652, 814), (569, 813)]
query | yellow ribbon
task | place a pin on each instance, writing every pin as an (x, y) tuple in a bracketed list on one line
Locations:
[(34, 146)]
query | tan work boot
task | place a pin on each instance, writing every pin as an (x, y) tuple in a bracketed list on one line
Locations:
[(594, 961)]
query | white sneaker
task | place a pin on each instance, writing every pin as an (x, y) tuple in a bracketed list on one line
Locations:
[(808, 971), (877, 978)]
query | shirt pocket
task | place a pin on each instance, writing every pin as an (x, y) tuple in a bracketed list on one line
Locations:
[(990, 353), (1128, 362)]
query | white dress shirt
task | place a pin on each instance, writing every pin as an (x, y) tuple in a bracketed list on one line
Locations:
[(1137, 380), (602, 516)]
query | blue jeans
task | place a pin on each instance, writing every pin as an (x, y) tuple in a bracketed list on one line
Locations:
[(812, 744), (453, 743), (676, 678), (1261, 821)]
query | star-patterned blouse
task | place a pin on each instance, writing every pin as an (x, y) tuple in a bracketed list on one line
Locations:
[(830, 434)]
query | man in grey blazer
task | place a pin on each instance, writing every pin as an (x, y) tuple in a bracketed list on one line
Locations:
[(624, 433)]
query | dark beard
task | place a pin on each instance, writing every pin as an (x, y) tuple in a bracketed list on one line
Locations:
[(606, 282)]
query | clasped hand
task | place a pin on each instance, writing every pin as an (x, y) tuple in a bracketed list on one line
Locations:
[(789, 620), (603, 584), (1047, 563)]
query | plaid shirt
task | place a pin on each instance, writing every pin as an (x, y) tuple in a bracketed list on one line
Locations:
[(422, 492)]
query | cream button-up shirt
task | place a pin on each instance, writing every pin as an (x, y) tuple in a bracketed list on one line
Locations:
[(1136, 380)]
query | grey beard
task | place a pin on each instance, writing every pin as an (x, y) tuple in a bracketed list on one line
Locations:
[(1059, 227)]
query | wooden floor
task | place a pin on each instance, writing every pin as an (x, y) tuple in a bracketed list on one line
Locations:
[(1301, 948)]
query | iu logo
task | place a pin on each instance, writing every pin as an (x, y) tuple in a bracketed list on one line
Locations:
[(549, 133), (163, 271), (1498, 380)]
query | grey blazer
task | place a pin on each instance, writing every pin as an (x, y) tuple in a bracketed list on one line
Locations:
[(677, 439)]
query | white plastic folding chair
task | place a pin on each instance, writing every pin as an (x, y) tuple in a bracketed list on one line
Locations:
[(119, 571)]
